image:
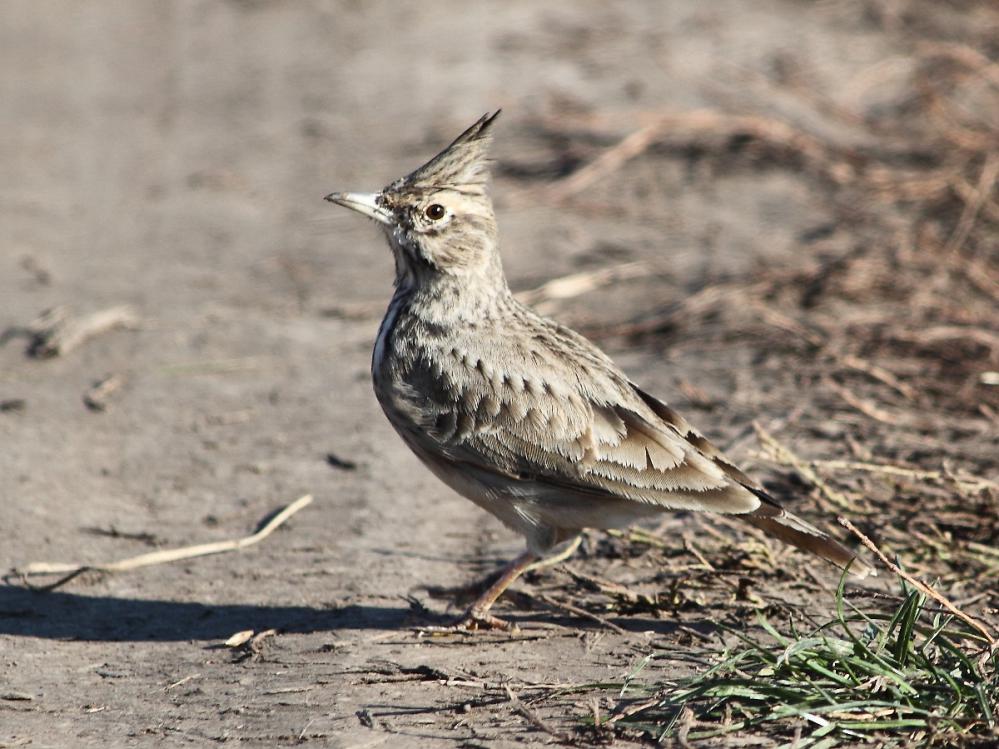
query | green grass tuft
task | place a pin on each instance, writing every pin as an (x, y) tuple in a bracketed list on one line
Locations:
[(914, 676)]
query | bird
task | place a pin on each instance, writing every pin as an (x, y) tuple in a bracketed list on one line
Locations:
[(518, 413)]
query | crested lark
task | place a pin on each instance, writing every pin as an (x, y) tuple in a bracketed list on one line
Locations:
[(519, 414)]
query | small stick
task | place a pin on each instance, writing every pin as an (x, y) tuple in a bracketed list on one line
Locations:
[(969, 483), (532, 717), (256, 642), (69, 571), (96, 398), (779, 320), (181, 682), (239, 639), (688, 544), (581, 612), (700, 302), (864, 406), (784, 455), (968, 56), (609, 588), (833, 161), (966, 192), (577, 284), (634, 709), (944, 333), (986, 183), (60, 335), (920, 585), (48, 320), (878, 373), (610, 160)]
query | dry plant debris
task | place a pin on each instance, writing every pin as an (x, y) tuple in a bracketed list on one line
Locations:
[(98, 395), (56, 332), (67, 572), (885, 345)]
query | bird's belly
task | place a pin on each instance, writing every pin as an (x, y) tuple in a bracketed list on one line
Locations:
[(489, 495), (542, 514)]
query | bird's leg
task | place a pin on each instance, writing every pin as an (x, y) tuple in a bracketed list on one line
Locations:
[(478, 617), (558, 558), (468, 591)]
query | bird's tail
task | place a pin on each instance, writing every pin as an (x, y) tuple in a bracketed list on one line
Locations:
[(779, 523)]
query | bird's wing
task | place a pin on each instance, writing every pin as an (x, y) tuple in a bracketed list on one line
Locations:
[(586, 429), (769, 517)]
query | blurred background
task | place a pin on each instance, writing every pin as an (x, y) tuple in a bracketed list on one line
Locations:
[(782, 212)]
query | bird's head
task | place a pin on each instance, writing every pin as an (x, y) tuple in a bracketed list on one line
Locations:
[(438, 219)]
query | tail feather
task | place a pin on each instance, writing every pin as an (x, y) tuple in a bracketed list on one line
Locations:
[(774, 520)]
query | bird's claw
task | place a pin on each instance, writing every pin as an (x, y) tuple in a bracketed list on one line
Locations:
[(472, 621)]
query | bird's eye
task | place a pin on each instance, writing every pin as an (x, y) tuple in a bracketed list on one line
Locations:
[(434, 212)]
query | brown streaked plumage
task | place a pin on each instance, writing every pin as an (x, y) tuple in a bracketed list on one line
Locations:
[(519, 414)]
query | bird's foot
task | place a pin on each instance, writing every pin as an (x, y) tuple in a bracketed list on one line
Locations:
[(473, 621), (478, 620)]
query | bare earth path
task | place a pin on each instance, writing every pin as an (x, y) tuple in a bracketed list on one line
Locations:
[(172, 156)]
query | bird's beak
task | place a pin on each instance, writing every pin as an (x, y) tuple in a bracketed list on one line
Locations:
[(362, 202)]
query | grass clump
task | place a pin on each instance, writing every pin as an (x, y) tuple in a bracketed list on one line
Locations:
[(911, 676)]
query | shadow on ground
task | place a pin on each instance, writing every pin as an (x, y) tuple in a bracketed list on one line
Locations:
[(71, 616), (59, 615)]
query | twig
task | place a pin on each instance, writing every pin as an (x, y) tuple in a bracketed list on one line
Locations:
[(69, 571), (833, 161), (878, 373), (532, 717), (610, 160), (579, 612), (864, 406), (785, 456), (96, 398), (977, 273), (941, 333), (301, 734), (181, 682), (968, 483), (701, 302), (576, 284), (683, 725), (972, 207), (609, 588), (634, 710), (258, 638), (239, 639), (688, 544), (967, 192), (777, 319), (965, 55), (920, 585), (55, 333)]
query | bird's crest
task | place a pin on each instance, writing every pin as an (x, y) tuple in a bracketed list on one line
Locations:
[(464, 164)]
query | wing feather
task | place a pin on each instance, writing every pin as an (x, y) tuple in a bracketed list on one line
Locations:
[(579, 441), (559, 427)]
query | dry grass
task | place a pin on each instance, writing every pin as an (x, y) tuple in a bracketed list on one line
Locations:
[(895, 341)]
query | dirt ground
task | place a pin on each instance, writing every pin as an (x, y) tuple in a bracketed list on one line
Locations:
[(172, 157)]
